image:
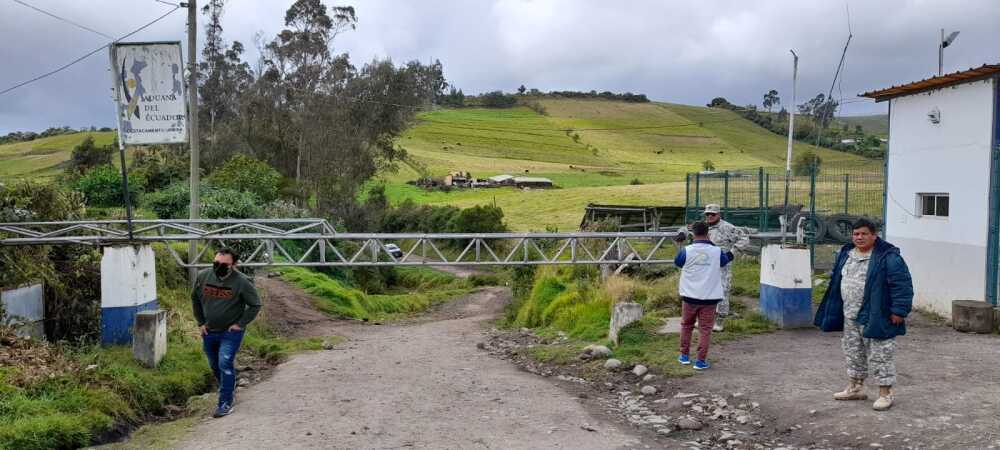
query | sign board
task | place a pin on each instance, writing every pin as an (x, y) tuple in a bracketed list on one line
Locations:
[(149, 95)]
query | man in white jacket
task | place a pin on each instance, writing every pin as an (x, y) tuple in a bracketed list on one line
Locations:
[(701, 290)]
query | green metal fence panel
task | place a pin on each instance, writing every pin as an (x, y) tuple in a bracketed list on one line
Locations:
[(834, 191)]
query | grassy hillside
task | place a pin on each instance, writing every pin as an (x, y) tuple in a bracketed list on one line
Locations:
[(877, 124), (596, 151), (41, 158)]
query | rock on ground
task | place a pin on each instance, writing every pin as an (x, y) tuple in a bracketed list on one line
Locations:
[(687, 423)]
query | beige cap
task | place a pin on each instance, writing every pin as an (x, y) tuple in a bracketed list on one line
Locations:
[(712, 209)]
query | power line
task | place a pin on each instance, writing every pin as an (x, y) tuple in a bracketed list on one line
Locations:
[(61, 19), (64, 67)]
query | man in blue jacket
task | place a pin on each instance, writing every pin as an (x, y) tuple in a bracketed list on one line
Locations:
[(869, 297)]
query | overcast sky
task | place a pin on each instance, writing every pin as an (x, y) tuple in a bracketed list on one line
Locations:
[(675, 51)]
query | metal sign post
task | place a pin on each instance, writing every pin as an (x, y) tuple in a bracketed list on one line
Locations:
[(791, 139), (147, 79)]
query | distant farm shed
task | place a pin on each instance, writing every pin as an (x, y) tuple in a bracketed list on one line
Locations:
[(533, 182), (943, 184), (502, 180)]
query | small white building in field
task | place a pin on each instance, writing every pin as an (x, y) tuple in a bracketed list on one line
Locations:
[(942, 205)]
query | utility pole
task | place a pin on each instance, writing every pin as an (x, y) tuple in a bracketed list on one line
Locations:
[(791, 135), (192, 32), (941, 54), (943, 44)]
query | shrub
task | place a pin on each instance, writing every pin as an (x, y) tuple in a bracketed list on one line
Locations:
[(69, 273), (86, 156), (245, 174), (231, 204), (281, 209), (413, 218), (497, 99), (161, 167), (478, 219), (806, 163), (103, 186), (170, 203), (453, 98)]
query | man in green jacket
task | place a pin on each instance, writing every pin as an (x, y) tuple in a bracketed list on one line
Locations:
[(224, 301)]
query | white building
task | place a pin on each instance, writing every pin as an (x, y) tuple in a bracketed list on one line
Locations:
[(943, 184)]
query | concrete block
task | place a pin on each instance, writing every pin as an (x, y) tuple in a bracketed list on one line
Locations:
[(149, 338), (623, 314), (128, 286), (972, 316), (25, 308), (786, 286)]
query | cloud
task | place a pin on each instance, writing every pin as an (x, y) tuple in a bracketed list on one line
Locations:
[(683, 52)]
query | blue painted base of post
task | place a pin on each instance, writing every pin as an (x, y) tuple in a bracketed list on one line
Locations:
[(117, 322), (788, 308), (786, 286), (128, 286)]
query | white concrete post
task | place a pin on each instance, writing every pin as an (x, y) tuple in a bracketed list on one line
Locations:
[(786, 286), (128, 286)]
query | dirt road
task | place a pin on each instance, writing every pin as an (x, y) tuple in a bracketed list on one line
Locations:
[(948, 391), (422, 384)]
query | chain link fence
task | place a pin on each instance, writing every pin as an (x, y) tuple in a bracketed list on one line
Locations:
[(825, 199)]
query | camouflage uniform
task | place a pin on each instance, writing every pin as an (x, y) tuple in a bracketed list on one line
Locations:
[(862, 353), (730, 238)]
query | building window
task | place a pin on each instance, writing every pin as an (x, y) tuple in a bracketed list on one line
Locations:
[(935, 205)]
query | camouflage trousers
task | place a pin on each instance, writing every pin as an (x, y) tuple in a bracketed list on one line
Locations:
[(722, 308), (864, 356)]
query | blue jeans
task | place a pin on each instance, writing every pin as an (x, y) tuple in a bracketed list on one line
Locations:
[(221, 348)]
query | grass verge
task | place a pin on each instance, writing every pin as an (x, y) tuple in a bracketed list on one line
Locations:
[(415, 290), (102, 392), (573, 301)]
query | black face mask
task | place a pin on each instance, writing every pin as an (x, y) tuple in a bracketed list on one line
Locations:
[(221, 269)]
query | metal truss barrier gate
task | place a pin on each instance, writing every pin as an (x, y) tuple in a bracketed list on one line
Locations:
[(314, 242)]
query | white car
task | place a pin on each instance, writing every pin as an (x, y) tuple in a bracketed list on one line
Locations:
[(394, 250)]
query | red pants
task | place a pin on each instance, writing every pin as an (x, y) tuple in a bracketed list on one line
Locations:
[(705, 315)]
